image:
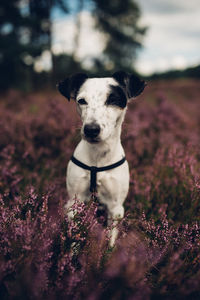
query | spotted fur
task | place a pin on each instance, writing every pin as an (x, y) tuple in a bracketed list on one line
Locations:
[(101, 104)]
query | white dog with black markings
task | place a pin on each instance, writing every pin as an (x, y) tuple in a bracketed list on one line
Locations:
[(98, 164)]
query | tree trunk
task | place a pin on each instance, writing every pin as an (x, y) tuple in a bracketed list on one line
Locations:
[(78, 30)]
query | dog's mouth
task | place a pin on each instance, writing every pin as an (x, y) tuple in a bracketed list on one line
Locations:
[(92, 140)]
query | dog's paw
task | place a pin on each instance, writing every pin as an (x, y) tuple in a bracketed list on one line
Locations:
[(117, 213)]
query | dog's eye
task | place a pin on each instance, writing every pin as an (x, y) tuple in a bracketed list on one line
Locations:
[(82, 101)]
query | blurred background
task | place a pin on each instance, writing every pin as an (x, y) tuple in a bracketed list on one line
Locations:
[(44, 41)]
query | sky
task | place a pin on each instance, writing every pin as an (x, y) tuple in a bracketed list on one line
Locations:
[(172, 40), (173, 37)]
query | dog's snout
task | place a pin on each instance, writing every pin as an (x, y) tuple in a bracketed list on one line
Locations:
[(91, 130)]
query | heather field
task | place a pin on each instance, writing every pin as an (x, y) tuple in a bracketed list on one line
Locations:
[(157, 254)]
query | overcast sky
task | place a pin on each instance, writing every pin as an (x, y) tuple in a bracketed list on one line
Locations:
[(173, 37), (172, 40)]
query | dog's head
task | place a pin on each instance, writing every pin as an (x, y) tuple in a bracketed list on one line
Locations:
[(101, 102)]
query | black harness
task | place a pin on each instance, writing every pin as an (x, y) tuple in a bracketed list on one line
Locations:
[(93, 171)]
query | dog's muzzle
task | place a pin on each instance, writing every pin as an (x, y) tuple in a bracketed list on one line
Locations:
[(91, 132)]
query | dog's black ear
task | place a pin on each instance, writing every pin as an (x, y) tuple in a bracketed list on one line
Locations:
[(71, 85), (63, 87), (133, 85)]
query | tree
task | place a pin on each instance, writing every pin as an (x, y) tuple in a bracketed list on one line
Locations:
[(118, 20), (12, 46), (41, 25), (25, 32)]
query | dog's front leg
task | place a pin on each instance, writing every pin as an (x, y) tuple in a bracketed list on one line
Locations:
[(77, 188), (115, 214), (68, 209)]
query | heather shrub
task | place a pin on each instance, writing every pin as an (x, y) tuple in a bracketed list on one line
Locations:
[(43, 255)]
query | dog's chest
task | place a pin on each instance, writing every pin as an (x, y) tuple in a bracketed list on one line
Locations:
[(79, 180), (111, 185)]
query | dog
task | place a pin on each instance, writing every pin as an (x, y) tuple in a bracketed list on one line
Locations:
[(98, 165)]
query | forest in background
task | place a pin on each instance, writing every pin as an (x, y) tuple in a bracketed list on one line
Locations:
[(26, 32)]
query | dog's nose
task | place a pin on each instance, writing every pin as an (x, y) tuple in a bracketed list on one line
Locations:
[(91, 130)]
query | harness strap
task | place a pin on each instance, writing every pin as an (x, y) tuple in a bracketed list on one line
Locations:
[(93, 171)]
